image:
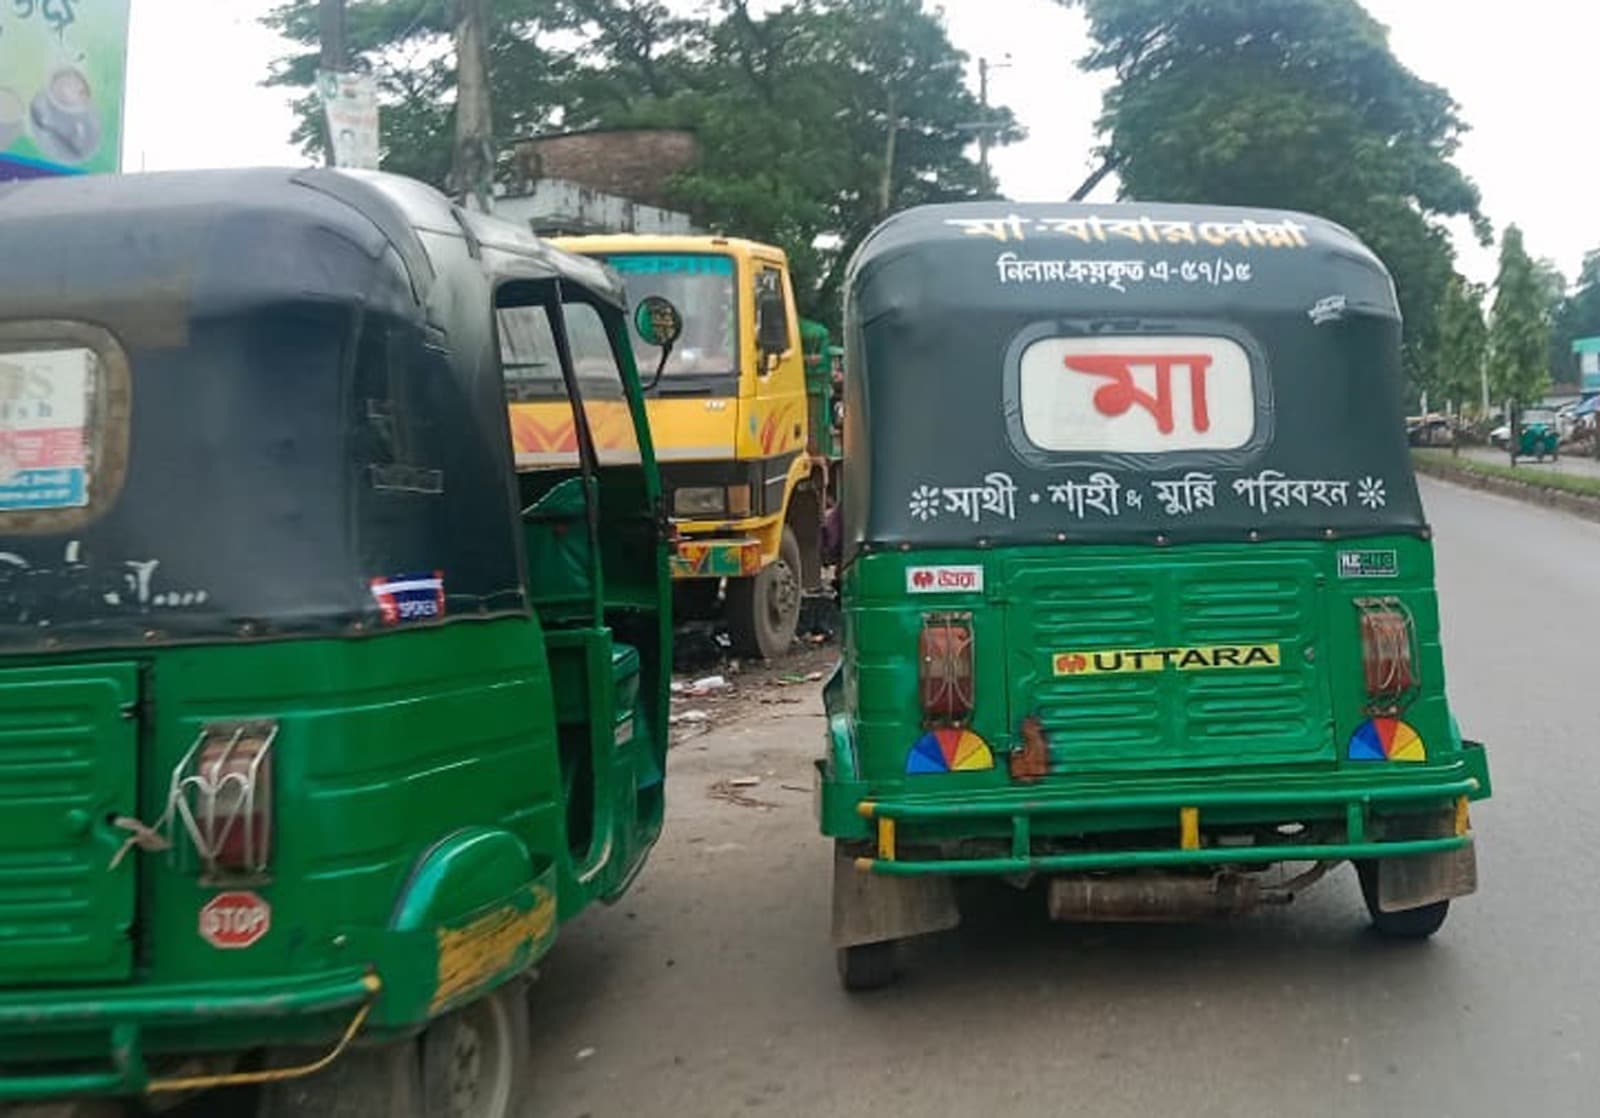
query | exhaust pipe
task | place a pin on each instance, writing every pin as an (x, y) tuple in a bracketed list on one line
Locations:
[(1165, 898)]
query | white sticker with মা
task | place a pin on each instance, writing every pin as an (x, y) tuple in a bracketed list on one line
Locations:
[(944, 580), (1141, 394)]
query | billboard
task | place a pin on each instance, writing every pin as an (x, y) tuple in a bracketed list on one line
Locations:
[(1587, 351), (62, 67)]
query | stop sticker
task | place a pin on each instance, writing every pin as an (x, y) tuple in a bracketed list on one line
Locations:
[(234, 920)]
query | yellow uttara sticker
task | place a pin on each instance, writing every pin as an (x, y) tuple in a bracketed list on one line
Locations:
[(1200, 658), (490, 945)]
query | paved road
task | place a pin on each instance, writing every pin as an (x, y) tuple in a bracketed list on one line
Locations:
[(711, 992)]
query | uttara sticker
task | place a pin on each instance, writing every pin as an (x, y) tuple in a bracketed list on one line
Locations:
[(403, 598), (944, 580), (1202, 658), (231, 921)]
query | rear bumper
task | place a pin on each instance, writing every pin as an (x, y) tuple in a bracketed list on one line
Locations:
[(1061, 828), (123, 1016)]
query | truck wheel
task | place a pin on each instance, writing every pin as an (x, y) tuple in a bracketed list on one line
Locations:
[(364, 1081), (866, 966), (764, 611), (475, 1060), (1406, 923)]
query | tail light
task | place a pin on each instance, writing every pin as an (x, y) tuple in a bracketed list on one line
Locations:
[(946, 672), (1388, 638), (222, 793)]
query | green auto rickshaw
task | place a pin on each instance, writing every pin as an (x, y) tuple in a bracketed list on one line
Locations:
[(1137, 588), (1538, 435), (319, 712)]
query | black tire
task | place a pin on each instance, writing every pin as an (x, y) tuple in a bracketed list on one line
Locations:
[(364, 1081), (866, 966), (475, 1060), (764, 611), (1406, 923)]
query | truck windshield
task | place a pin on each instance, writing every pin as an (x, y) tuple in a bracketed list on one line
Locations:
[(701, 286)]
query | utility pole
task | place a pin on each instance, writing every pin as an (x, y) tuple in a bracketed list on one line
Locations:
[(473, 173), (983, 105), (330, 19), (886, 184), (331, 25), (984, 126)]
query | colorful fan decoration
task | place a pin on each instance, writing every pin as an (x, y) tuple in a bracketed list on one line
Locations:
[(1386, 739), (949, 750)]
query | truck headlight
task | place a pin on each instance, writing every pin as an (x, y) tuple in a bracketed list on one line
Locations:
[(699, 500)]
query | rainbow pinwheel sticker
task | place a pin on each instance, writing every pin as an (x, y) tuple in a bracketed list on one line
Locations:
[(949, 750), (1386, 739)]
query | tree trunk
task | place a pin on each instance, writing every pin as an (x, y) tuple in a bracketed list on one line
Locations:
[(473, 174), (1096, 177)]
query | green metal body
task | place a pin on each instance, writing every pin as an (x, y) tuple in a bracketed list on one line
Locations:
[(1248, 750), (419, 788)]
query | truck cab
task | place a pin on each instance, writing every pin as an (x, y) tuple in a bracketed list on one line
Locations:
[(744, 480)]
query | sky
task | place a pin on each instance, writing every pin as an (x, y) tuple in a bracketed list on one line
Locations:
[(1523, 75)]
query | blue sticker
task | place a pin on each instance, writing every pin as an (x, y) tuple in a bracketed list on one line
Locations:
[(403, 598)]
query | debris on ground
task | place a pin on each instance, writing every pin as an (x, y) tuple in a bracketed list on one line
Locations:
[(793, 678), (731, 792), (689, 716)]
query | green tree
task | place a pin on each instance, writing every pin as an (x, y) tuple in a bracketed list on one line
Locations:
[(406, 45), (1519, 330), (1463, 347), (1293, 103), (1577, 316), (815, 117)]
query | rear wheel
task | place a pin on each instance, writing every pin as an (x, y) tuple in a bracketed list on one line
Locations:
[(475, 1060), (764, 611), (364, 1081), (1406, 923), (866, 966)]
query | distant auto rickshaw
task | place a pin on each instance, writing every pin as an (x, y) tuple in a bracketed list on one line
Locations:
[(1538, 435), (319, 710), (1137, 587)]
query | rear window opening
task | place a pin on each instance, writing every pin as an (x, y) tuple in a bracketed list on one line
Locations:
[(1137, 394), (63, 424)]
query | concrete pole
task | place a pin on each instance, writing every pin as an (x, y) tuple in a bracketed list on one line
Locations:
[(335, 55), (473, 173), (983, 117)]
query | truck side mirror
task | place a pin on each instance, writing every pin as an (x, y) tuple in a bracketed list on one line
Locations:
[(658, 323), (772, 323)]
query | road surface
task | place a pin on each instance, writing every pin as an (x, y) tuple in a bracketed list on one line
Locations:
[(710, 991)]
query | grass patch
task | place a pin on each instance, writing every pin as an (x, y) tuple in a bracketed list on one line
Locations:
[(1442, 460)]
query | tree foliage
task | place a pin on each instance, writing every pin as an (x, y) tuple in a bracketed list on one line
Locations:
[(1463, 345), (1519, 326), (814, 117), (1292, 103), (1576, 316)]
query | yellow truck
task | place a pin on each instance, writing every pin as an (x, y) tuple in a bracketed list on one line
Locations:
[(746, 462)]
